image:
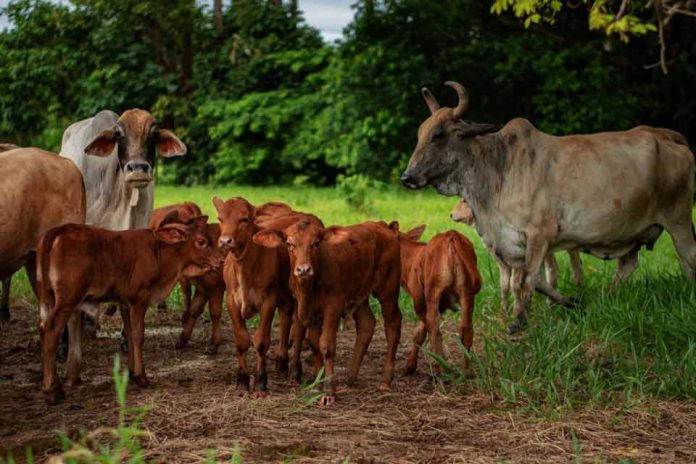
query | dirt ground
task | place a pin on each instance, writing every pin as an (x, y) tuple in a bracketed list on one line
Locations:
[(195, 407)]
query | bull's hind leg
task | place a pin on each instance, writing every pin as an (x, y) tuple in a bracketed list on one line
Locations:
[(195, 310), (684, 239), (74, 364), (364, 330), (576, 266), (523, 285), (551, 268), (505, 282)]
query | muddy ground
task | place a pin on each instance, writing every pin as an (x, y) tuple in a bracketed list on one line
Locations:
[(195, 407)]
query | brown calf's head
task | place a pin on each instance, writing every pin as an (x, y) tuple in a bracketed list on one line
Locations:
[(441, 139), (462, 213), (197, 251), (237, 229), (137, 137)]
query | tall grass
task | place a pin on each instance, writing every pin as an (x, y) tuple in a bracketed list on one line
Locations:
[(616, 348)]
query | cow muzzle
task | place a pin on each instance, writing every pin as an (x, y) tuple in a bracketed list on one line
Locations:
[(138, 174), (411, 181), (304, 271), (226, 242)]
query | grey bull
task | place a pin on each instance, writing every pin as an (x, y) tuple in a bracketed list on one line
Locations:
[(532, 193)]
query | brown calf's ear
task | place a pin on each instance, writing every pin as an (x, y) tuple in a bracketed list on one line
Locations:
[(171, 217), (102, 145), (268, 238), (217, 201), (169, 144), (172, 233), (199, 222), (336, 236), (415, 233)]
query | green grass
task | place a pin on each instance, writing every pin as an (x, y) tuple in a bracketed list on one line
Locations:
[(617, 349)]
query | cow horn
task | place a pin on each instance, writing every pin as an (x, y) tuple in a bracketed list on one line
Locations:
[(463, 104), (430, 100)]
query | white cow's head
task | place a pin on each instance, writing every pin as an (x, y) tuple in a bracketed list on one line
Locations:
[(443, 140), (137, 137)]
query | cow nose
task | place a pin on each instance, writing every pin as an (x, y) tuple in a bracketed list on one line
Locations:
[(225, 241), (406, 178), (452, 216), (303, 270), (138, 167)]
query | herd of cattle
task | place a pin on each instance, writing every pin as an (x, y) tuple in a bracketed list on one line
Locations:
[(83, 225)]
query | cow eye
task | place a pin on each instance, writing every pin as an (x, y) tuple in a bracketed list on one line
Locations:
[(201, 243), (245, 221), (316, 243), (438, 134), (118, 134)]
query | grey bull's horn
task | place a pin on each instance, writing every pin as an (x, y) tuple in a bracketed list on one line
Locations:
[(463, 104), (430, 100)]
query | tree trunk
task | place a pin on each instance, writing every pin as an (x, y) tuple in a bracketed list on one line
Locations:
[(217, 15)]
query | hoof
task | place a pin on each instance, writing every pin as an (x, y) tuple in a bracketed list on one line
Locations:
[(282, 366), (383, 387), (54, 396), (410, 370), (211, 350), (243, 381), (141, 381), (259, 395), (123, 344), (72, 382), (328, 400)]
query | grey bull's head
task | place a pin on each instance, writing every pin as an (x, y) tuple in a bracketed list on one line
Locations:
[(137, 137)]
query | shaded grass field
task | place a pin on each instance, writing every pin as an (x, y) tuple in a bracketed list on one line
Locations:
[(631, 351)]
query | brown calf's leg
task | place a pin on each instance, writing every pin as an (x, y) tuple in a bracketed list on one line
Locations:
[(298, 334), (195, 310), (74, 364), (241, 342), (432, 321), (466, 327), (392, 329), (215, 308), (419, 336), (262, 341), (127, 330), (327, 344), (137, 320), (364, 330), (281, 359), (50, 334), (5, 302), (185, 285)]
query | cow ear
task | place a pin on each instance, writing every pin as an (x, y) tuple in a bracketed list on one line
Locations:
[(336, 236), (169, 144), (102, 145), (172, 234), (171, 217), (199, 221), (268, 238), (217, 201), (415, 233)]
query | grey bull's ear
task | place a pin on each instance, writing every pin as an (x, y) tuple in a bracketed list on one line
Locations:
[(169, 144), (102, 145)]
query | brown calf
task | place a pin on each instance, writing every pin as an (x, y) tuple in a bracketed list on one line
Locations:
[(210, 287), (438, 275), (256, 280), (83, 265), (334, 272)]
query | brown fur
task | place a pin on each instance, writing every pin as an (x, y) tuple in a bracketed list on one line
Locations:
[(81, 264), (439, 275), (256, 280), (334, 272)]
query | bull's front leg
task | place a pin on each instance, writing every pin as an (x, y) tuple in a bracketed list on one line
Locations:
[(525, 282)]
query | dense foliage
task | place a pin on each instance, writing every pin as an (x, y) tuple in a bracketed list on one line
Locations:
[(259, 98)]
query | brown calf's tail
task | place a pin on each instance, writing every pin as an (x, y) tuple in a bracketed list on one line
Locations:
[(43, 255), (465, 269)]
